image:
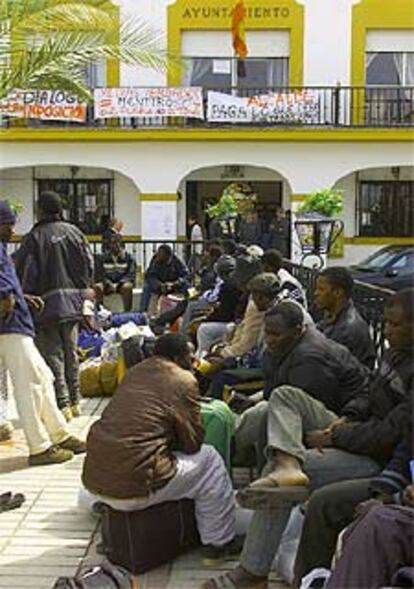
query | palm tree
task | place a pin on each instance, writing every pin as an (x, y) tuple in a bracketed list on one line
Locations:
[(48, 44)]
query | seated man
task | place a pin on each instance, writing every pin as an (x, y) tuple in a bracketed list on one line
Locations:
[(362, 439), (147, 448), (245, 334), (118, 270), (272, 261), (298, 355), (264, 290), (378, 549), (333, 507), (166, 274), (342, 322)]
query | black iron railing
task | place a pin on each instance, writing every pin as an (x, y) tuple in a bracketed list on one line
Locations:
[(369, 300), (328, 106)]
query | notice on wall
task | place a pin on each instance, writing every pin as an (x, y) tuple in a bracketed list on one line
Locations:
[(45, 105), (221, 66), (284, 107), (148, 102), (159, 220)]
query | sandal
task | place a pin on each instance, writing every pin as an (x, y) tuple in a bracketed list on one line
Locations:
[(9, 501)]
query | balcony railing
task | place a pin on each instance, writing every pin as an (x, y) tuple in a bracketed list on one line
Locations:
[(332, 107)]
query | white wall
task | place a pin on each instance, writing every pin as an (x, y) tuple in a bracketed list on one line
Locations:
[(19, 184), (160, 166)]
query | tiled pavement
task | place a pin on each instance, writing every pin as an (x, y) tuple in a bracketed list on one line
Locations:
[(49, 536)]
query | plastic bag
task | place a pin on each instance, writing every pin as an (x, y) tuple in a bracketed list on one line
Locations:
[(284, 562), (89, 378)]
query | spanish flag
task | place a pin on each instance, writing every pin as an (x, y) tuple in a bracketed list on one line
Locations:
[(238, 31)]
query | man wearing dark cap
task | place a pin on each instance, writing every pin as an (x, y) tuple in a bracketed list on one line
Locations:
[(55, 263), (42, 423)]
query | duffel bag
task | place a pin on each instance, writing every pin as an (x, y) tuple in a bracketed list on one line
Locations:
[(105, 576), (144, 539)]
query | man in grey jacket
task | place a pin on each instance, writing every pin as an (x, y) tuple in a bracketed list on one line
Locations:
[(56, 264)]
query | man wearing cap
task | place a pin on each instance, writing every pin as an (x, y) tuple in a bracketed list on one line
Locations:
[(56, 263), (42, 423)]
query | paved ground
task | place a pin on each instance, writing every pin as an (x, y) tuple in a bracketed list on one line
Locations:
[(49, 536)]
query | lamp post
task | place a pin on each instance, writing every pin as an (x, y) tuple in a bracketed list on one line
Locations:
[(316, 234)]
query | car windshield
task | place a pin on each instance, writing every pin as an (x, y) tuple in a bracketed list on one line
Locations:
[(379, 260)]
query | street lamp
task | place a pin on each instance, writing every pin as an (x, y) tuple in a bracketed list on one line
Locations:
[(316, 234)]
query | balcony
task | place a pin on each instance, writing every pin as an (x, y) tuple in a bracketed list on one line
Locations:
[(306, 107)]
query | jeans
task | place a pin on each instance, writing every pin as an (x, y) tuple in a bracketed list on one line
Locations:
[(267, 526), (194, 308), (328, 511), (208, 334), (147, 291), (291, 415), (57, 343)]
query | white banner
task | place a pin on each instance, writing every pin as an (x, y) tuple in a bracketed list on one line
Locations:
[(46, 105), (284, 107), (148, 102)]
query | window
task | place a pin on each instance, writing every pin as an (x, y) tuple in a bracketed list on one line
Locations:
[(251, 75), (86, 203), (386, 208), (389, 104)]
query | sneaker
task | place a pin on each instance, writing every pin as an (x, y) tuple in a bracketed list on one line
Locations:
[(76, 410), (212, 554), (73, 444), (67, 413), (53, 455), (6, 431)]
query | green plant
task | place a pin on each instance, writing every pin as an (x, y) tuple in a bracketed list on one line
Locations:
[(49, 44), (327, 202), (236, 198)]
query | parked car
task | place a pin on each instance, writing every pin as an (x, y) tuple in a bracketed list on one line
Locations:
[(391, 267)]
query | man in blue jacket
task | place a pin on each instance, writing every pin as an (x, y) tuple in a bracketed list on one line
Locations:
[(42, 423), (55, 263)]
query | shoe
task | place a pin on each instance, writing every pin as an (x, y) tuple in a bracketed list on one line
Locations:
[(76, 410), (53, 455), (213, 554), (67, 413), (6, 431), (73, 444)]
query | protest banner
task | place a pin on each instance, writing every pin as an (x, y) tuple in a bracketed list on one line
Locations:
[(283, 107), (148, 102), (46, 105)]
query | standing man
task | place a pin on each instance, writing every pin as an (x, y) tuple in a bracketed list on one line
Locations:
[(278, 235), (55, 263), (42, 423)]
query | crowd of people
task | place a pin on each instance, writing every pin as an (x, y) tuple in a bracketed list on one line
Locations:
[(330, 417)]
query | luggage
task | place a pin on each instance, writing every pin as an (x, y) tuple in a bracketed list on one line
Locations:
[(144, 539), (105, 576), (219, 425)]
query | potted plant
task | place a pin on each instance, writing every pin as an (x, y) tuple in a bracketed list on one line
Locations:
[(316, 228), (237, 198)]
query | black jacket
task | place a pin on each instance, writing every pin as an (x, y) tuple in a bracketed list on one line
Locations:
[(228, 300), (351, 331), (56, 263), (324, 369), (173, 271), (382, 416)]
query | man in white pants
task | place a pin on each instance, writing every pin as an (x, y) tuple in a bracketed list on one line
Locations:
[(43, 425), (147, 448)]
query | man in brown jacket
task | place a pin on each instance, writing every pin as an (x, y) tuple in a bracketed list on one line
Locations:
[(147, 448)]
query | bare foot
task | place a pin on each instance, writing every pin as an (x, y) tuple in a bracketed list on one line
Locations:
[(282, 477)]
